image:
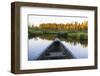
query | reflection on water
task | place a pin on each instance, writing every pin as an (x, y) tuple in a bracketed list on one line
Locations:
[(37, 45), (70, 40)]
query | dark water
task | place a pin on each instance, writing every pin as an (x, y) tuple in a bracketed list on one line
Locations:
[(37, 45)]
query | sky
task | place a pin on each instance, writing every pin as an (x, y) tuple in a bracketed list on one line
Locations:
[(38, 19)]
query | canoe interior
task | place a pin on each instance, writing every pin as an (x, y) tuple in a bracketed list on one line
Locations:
[(56, 51)]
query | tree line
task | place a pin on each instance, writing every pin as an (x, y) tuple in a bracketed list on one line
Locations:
[(64, 26)]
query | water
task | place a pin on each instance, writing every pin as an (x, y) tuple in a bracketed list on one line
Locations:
[(37, 45)]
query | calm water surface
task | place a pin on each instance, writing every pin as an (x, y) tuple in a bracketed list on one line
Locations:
[(38, 45)]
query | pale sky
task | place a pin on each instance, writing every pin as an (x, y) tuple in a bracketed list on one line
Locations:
[(38, 19)]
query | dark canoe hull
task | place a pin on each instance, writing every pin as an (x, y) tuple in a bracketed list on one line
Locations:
[(56, 51)]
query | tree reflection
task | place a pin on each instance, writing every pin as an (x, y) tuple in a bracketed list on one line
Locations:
[(72, 40)]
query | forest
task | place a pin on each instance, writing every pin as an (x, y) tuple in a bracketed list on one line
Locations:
[(73, 30), (67, 26)]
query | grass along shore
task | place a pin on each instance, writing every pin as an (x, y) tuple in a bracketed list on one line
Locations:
[(33, 32)]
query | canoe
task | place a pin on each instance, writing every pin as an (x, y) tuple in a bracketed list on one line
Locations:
[(56, 51)]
